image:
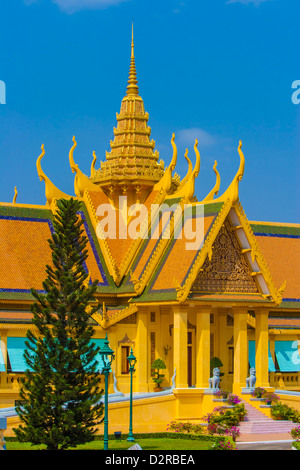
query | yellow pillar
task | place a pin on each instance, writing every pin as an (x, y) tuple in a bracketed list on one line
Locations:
[(180, 345), (240, 349), (261, 348), (272, 351), (141, 353), (223, 347), (3, 345), (203, 347)]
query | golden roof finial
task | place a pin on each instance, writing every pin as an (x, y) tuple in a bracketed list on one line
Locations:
[(188, 189), (15, 195), (132, 43), (132, 88), (232, 192), (51, 191), (216, 187)]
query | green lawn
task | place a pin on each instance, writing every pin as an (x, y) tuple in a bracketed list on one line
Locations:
[(145, 443)]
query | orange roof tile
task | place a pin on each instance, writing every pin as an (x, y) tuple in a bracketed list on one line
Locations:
[(24, 252), (282, 255), (179, 260)]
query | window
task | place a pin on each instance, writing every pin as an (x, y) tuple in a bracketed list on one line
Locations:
[(125, 351), (152, 317), (230, 357)]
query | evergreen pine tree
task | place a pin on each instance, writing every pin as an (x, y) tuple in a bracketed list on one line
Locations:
[(60, 392)]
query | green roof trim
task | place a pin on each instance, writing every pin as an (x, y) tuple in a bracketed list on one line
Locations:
[(290, 304), (283, 230), (27, 212)]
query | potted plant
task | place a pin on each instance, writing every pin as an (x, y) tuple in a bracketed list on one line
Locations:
[(158, 378), (221, 394), (258, 392), (270, 397), (233, 399)]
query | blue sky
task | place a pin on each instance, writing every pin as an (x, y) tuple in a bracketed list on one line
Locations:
[(218, 70)]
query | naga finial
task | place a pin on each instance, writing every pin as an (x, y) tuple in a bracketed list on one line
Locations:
[(81, 181), (197, 166), (15, 195), (174, 158), (166, 181), (41, 174), (232, 192), (187, 190), (51, 191), (74, 166), (191, 184), (93, 164), (189, 172), (216, 187)]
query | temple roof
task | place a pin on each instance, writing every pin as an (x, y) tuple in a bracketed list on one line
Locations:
[(231, 259), (158, 270)]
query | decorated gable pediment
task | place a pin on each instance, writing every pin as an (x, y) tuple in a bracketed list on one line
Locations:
[(228, 269)]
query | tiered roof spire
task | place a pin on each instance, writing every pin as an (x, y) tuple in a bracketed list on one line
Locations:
[(132, 163)]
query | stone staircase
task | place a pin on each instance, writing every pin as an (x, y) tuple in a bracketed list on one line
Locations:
[(256, 422)]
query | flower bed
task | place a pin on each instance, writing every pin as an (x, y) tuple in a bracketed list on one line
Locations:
[(224, 437), (295, 433), (222, 423), (263, 394)]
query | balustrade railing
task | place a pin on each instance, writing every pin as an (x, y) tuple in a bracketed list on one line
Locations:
[(285, 380)]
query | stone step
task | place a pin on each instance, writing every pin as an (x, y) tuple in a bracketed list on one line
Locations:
[(266, 426), (256, 422), (264, 430)]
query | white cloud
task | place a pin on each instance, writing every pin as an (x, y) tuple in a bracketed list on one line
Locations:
[(188, 136), (248, 2), (71, 6)]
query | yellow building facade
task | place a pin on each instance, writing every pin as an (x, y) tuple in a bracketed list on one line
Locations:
[(230, 292)]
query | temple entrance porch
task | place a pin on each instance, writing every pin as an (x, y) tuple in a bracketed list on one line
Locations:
[(202, 332)]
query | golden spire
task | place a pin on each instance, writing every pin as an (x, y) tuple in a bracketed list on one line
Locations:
[(131, 166), (132, 88)]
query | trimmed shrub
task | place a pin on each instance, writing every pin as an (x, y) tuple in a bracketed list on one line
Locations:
[(282, 411)]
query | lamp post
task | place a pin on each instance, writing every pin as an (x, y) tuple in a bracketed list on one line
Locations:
[(132, 361), (107, 357)]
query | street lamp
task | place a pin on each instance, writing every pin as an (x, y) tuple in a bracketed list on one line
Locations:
[(132, 361), (107, 357)]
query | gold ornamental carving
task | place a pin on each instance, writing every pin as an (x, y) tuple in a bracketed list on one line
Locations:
[(228, 270)]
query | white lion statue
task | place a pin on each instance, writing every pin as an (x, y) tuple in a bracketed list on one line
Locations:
[(214, 381), (250, 381)]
